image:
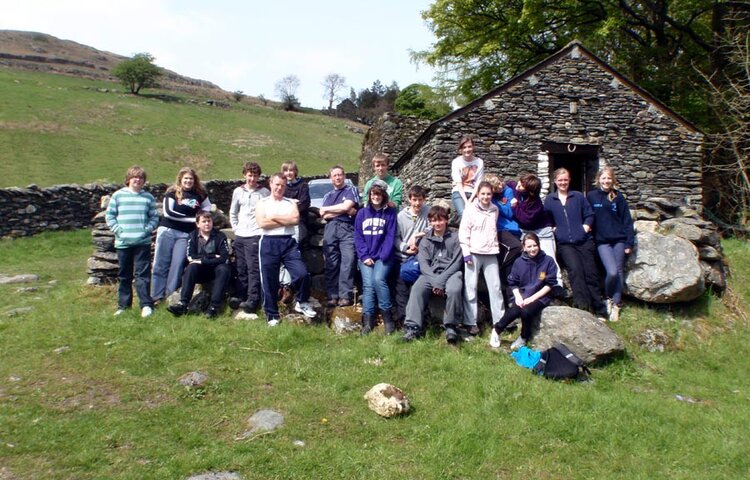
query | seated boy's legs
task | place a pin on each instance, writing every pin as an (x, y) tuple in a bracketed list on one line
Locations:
[(418, 299), (221, 274), (454, 299)]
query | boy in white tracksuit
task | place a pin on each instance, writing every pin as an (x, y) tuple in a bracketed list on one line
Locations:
[(479, 246)]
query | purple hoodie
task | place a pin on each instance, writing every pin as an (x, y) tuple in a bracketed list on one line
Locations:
[(375, 233), (529, 214)]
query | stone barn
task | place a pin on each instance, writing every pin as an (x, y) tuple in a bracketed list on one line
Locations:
[(571, 110)]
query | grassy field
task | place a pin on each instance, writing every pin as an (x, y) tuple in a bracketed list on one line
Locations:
[(56, 129), (109, 405)]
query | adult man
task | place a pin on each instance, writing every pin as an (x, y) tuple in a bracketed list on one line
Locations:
[(277, 217), (339, 208)]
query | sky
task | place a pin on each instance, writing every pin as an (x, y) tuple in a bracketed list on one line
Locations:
[(247, 45)]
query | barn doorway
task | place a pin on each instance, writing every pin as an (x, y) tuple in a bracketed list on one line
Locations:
[(582, 161)]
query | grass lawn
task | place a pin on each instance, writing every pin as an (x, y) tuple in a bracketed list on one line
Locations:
[(56, 129), (109, 406)]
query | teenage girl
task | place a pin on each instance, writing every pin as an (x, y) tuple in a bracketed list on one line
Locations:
[(532, 278), (613, 234), (466, 173), (479, 246), (183, 200)]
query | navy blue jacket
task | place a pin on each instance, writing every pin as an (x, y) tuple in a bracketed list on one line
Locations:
[(570, 218), (612, 220), (529, 275)]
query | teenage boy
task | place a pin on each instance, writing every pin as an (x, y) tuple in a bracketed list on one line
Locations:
[(208, 260), (440, 262), (299, 191), (277, 217), (247, 235), (412, 225), (339, 208), (132, 216), (395, 188)]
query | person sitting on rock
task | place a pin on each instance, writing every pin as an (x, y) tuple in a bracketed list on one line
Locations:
[(440, 261), (208, 261)]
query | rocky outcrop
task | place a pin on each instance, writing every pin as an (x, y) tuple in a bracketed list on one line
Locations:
[(590, 339)]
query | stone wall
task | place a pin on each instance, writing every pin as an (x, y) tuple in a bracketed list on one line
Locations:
[(33, 210), (391, 134), (571, 101)]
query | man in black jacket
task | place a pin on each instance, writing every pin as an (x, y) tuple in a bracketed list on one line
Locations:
[(208, 260)]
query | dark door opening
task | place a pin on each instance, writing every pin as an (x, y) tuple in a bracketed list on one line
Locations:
[(582, 161)]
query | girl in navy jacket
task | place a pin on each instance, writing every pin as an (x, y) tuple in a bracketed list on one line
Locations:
[(532, 278), (374, 237), (613, 234)]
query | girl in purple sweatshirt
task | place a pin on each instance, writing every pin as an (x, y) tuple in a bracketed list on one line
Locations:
[(374, 237)]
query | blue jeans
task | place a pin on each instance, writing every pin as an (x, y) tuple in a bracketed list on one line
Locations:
[(134, 260), (375, 287), (459, 202), (613, 259), (169, 261)]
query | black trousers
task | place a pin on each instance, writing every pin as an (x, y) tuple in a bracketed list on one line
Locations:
[(579, 260), (199, 273), (527, 315)]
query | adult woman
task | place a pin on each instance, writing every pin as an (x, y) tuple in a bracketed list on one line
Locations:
[(183, 200), (576, 251), (466, 174), (614, 235), (374, 237)]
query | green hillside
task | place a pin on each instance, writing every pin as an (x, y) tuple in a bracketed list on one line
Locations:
[(57, 129)]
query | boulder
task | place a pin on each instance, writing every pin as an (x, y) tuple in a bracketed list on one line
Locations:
[(387, 400), (265, 421), (590, 339), (663, 269), (193, 379)]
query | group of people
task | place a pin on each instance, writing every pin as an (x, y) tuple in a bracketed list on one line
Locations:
[(507, 232)]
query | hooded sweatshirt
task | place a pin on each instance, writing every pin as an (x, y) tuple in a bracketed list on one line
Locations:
[(375, 233), (478, 230), (529, 275)]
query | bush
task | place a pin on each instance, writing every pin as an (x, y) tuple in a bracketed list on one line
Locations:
[(138, 72)]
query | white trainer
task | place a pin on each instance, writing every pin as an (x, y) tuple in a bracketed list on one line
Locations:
[(614, 315), (494, 339), (273, 322), (119, 312), (305, 309), (146, 312), (517, 343)]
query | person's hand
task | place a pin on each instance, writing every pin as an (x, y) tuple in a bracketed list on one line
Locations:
[(369, 262), (438, 291), (469, 260), (586, 228), (519, 300), (628, 251), (513, 202), (392, 204), (412, 250)]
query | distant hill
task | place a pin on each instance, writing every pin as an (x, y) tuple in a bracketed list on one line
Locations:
[(44, 53)]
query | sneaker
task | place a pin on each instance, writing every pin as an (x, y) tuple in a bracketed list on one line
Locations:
[(332, 303), (609, 306), (212, 313), (450, 335), (177, 309), (472, 330), (412, 333), (345, 302), (494, 339), (119, 312), (234, 303), (305, 309), (146, 312), (614, 314), (273, 322), (517, 343)]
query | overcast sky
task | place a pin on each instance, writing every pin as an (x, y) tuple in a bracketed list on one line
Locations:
[(246, 45)]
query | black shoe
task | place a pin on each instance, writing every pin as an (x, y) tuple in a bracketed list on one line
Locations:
[(234, 303), (450, 335), (177, 309), (249, 307), (412, 333), (389, 324), (368, 323), (212, 313), (472, 330)]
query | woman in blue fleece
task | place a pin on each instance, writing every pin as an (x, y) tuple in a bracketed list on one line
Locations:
[(533, 275), (613, 234), (374, 237)]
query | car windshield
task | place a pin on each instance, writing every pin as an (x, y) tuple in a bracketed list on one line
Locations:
[(318, 190)]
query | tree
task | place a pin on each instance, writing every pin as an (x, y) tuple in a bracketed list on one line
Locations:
[(286, 90), (333, 83), (138, 72), (421, 101), (238, 95), (483, 43)]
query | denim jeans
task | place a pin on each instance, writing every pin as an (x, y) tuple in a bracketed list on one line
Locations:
[(613, 259), (169, 261), (375, 290), (134, 260), (459, 202)]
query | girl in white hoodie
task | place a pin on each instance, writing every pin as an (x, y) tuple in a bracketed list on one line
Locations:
[(479, 246)]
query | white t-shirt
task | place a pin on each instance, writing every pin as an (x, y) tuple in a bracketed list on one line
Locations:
[(274, 207), (466, 175)]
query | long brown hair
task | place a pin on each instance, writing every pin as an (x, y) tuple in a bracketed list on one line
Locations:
[(197, 185), (531, 184)]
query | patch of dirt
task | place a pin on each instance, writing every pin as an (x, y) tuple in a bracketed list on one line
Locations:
[(35, 126)]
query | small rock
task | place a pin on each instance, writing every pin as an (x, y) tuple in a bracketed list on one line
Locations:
[(26, 290), (653, 340), (19, 311), (686, 399), (62, 349), (193, 379), (344, 325), (241, 315), (387, 400), (298, 443), (24, 278), (216, 476), (265, 421), (14, 378), (377, 362)]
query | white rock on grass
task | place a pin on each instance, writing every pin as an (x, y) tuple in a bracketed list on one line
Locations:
[(23, 278), (216, 476), (387, 400)]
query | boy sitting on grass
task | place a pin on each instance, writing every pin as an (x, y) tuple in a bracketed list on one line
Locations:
[(208, 257)]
